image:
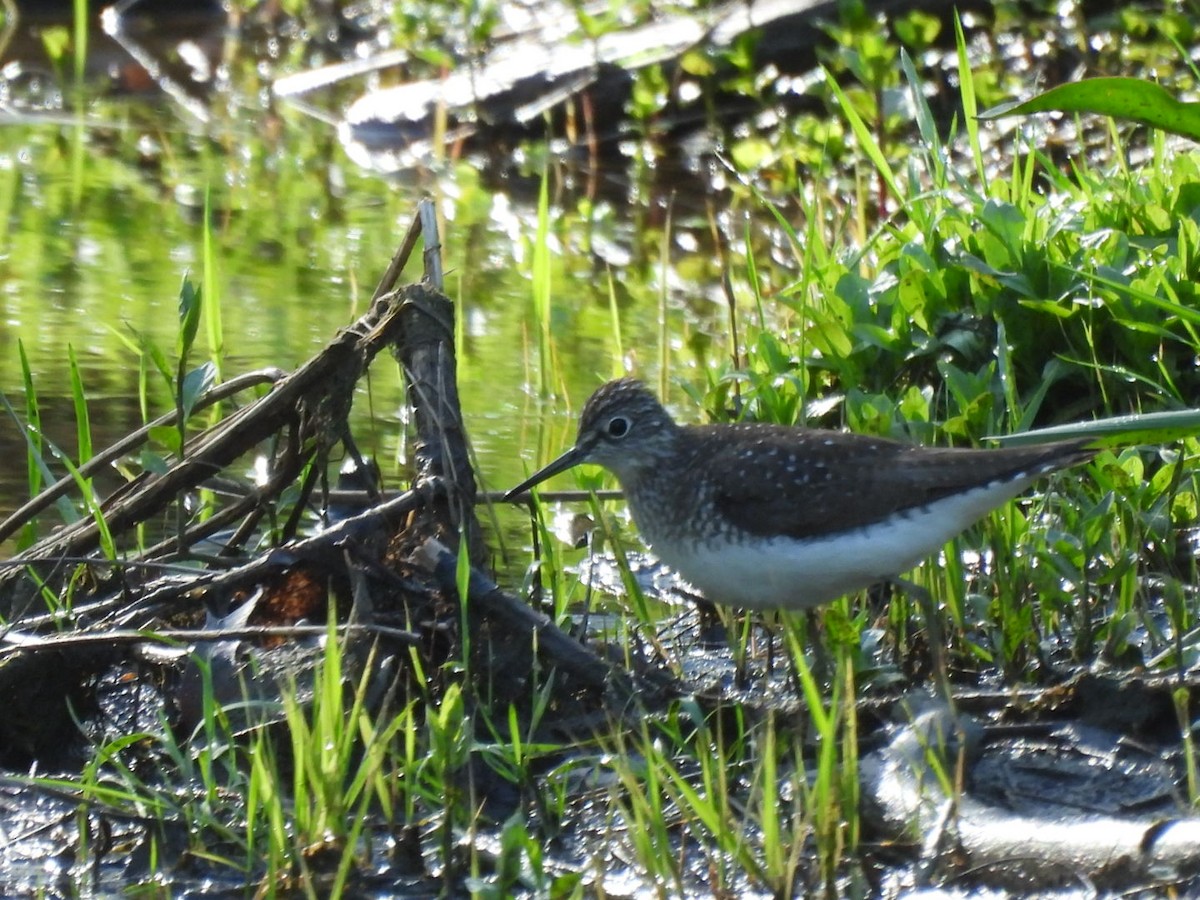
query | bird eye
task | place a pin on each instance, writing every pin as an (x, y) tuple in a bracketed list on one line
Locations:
[(618, 427)]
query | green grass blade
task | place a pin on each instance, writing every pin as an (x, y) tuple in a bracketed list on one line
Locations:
[(866, 140), (213, 327), (966, 80), (34, 446), (614, 312), (91, 502), (83, 427), (34, 463), (462, 580), (1117, 431), (541, 284), (925, 121), (80, 41)]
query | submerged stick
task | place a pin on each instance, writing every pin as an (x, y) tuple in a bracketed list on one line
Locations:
[(557, 647), (131, 442)]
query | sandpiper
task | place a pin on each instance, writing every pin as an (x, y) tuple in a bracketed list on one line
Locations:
[(774, 517)]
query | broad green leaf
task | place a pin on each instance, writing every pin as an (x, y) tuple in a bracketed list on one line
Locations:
[(167, 436), (189, 316), (1121, 98), (195, 383)]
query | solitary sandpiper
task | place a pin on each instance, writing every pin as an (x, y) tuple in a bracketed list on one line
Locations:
[(767, 516)]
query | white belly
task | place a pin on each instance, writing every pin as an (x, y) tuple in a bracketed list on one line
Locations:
[(791, 574)]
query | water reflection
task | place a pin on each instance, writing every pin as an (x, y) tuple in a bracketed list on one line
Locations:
[(104, 214), (144, 48)]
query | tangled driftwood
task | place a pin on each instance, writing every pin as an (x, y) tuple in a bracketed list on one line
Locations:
[(396, 545)]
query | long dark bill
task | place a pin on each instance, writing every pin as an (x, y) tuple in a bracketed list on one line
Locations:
[(572, 457)]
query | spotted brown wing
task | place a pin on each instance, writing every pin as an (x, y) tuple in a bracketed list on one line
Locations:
[(807, 483)]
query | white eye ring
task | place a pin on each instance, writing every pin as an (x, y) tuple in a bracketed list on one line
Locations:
[(617, 427)]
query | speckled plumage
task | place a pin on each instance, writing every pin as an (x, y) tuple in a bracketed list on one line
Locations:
[(771, 516)]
